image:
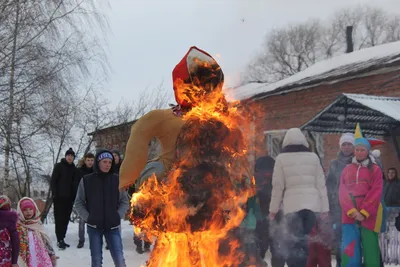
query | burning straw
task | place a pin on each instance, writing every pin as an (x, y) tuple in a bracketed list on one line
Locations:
[(193, 209)]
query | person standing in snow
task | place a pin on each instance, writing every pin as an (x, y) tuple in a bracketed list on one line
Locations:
[(298, 182), (263, 170), (36, 249), (9, 240), (344, 157), (102, 205), (63, 187), (85, 167), (360, 193), (391, 191)]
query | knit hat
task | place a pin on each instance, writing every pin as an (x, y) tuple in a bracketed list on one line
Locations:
[(346, 138), (5, 203), (360, 140), (70, 151), (197, 68), (27, 204), (105, 155)]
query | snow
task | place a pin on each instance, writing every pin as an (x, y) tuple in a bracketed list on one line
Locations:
[(81, 257), (389, 106), (377, 52)]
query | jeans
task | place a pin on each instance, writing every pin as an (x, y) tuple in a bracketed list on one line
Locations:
[(114, 241), (81, 230), (300, 225)]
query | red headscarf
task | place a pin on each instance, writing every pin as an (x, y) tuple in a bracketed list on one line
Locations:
[(186, 71)]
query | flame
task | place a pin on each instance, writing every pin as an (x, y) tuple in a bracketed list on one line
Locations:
[(193, 210)]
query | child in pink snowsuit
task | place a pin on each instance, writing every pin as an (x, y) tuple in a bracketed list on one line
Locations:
[(36, 249), (360, 193), (9, 242)]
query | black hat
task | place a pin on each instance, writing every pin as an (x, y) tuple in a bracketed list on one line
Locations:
[(70, 151)]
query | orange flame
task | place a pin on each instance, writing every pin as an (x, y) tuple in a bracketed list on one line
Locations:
[(192, 211)]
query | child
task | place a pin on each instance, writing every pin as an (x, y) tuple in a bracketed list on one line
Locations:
[(36, 249), (360, 194), (9, 242)]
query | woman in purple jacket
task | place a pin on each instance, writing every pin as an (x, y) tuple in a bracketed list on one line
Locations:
[(9, 241)]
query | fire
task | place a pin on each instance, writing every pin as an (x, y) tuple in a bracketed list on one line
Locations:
[(192, 211)]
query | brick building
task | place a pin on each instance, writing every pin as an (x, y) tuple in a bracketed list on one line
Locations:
[(116, 137), (294, 101)]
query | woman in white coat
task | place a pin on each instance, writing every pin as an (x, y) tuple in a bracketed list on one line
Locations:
[(298, 185)]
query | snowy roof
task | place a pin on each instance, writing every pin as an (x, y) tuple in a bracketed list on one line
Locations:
[(376, 115), (327, 71)]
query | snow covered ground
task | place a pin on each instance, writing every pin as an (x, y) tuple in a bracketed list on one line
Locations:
[(81, 257)]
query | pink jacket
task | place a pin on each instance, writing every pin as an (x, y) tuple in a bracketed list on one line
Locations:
[(365, 185)]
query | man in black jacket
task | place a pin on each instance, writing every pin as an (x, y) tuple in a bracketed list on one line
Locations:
[(100, 203), (85, 167), (63, 190)]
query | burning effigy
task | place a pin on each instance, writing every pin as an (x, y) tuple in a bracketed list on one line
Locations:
[(196, 200)]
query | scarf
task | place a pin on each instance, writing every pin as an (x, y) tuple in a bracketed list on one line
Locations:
[(35, 225), (295, 148)]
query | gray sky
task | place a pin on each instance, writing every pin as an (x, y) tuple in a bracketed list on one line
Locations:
[(149, 37)]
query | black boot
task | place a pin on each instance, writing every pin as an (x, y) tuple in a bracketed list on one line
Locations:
[(81, 244), (61, 245)]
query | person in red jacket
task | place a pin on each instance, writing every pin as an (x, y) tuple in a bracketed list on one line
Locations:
[(360, 194)]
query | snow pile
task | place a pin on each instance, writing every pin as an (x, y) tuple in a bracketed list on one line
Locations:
[(325, 66)]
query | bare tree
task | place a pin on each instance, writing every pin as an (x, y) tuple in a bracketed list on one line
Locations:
[(46, 47), (289, 50), (293, 48)]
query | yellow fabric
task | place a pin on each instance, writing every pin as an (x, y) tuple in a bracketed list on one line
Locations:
[(358, 133), (365, 213), (379, 219), (351, 211), (161, 124)]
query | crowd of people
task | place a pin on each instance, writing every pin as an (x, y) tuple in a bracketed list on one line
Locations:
[(298, 212), (92, 189), (312, 214)]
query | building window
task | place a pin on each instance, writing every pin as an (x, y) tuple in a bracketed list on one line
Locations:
[(274, 139), (35, 193), (319, 144), (42, 194)]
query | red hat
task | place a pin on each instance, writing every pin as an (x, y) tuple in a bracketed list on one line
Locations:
[(186, 71)]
